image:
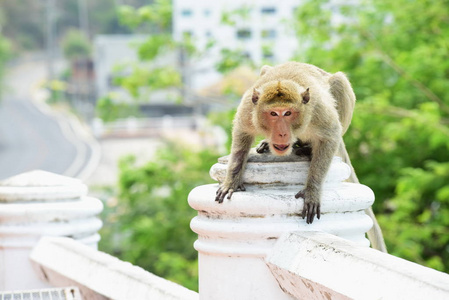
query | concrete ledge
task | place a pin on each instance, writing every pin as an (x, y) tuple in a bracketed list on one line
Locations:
[(63, 262), (284, 170), (317, 265)]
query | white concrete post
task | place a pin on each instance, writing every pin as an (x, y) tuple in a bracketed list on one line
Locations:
[(37, 204), (235, 237)]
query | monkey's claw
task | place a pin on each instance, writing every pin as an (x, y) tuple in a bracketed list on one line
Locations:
[(263, 147), (224, 190), (310, 208)]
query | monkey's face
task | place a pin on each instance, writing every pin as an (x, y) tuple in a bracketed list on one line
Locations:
[(279, 108), (279, 122)]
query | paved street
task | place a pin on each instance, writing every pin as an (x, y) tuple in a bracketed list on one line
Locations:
[(33, 138)]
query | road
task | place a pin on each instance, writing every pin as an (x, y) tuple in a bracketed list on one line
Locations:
[(36, 137)]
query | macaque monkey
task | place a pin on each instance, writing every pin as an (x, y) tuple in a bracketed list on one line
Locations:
[(295, 105)]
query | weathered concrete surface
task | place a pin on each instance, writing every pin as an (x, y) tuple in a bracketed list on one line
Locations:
[(65, 262), (317, 265), (286, 170)]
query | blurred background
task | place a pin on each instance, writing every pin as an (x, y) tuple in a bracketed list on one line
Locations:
[(136, 98)]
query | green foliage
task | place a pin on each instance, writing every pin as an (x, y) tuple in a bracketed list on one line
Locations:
[(5, 50), (76, 45), (25, 21), (231, 17), (421, 216), (5, 55), (56, 88), (153, 46), (109, 109), (152, 79), (156, 17), (153, 231), (146, 76), (396, 55), (231, 59)]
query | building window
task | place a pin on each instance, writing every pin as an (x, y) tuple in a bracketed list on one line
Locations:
[(268, 10), (268, 56), (269, 34), (243, 34), (186, 12)]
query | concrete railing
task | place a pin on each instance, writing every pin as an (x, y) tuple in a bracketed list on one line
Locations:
[(317, 265), (100, 276), (48, 238), (256, 246)]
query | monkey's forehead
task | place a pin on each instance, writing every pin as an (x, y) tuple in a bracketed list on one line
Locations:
[(278, 100), (280, 95), (279, 104)]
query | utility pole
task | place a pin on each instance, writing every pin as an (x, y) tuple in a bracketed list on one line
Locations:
[(83, 17), (50, 38), (83, 84)]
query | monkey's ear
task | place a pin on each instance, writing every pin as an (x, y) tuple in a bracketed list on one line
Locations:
[(265, 69), (305, 96), (255, 96)]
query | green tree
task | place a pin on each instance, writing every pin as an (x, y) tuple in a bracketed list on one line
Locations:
[(154, 216), (110, 109), (25, 20), (396, 54), (76, 45), (149, 74), (155, 20), (5, 56), (232, 59)]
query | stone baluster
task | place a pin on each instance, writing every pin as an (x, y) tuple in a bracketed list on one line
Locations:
[(37, 204), (235, 237)]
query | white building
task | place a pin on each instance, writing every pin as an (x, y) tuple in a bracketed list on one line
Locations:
[(111, 51), (117, 54), (260, 29)]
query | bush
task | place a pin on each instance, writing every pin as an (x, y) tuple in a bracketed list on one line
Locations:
[(149, 224)]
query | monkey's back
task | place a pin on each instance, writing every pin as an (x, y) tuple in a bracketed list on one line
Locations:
[(304, 74)]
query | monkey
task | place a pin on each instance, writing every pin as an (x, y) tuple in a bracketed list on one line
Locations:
[(296, 107)]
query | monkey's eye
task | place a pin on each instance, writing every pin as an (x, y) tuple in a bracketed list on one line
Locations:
[(287, 113), (274, 114)]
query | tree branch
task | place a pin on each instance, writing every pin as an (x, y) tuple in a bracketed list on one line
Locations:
[(389, 61)]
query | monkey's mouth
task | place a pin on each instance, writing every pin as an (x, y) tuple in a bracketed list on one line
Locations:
[(281, 147)]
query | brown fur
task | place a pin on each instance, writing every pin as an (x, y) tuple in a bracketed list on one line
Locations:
[(319, 106)]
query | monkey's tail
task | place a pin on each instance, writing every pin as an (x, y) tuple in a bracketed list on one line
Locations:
[(375, 233)]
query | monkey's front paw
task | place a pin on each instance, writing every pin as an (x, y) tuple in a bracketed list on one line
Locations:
[(225, 189), (310, 209), (302, 149), (263, 147)]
